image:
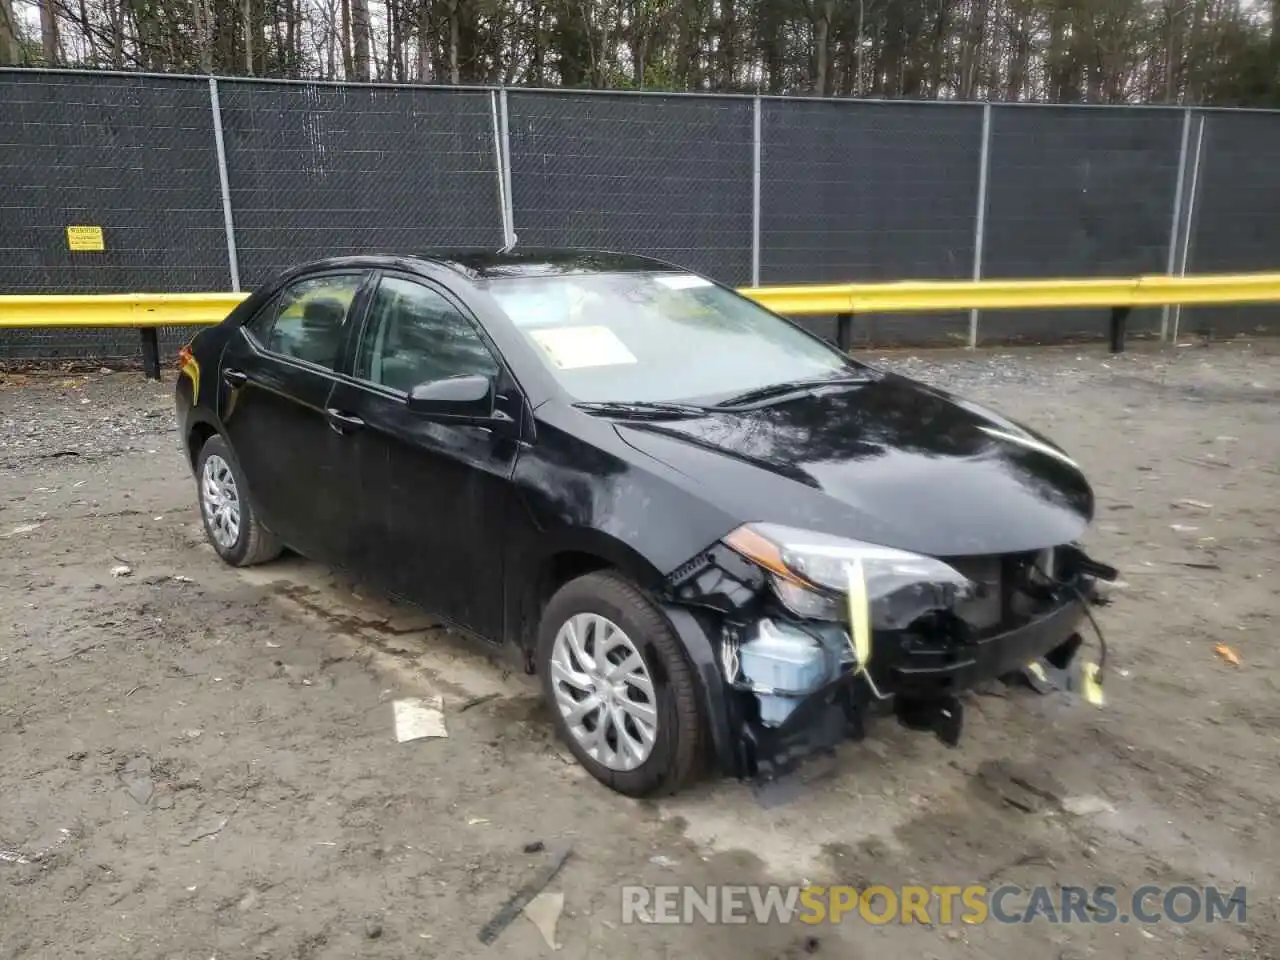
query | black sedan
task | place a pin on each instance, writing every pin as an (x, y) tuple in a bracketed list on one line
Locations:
[(717, 539)]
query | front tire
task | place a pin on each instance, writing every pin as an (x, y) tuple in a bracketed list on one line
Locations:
[(230, 522), (621, 690)]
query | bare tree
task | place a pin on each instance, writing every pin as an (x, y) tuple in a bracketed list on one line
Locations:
[(49, 32), (360, 36), (9, 48)]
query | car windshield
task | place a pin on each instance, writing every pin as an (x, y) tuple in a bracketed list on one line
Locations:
[(612, 337)]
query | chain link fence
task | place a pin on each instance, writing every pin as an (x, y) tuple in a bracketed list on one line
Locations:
[(201, 184), (666, 176)]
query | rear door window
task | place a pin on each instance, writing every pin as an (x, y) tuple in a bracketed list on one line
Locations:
[(308, 318)]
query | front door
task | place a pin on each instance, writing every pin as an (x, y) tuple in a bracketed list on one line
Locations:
[(434, 494), (278, 370)]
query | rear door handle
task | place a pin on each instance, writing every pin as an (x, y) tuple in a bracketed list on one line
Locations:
[(235, 378), (342, 422)]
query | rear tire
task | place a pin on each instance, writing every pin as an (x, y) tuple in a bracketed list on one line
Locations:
[(613, 621), (230, 522)]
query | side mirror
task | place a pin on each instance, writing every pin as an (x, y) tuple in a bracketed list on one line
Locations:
[(467, 399)]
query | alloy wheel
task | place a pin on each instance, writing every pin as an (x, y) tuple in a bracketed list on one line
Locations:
[(604, 691), (220, 500)]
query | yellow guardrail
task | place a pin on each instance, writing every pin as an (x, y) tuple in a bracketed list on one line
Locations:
[(946, 296), (133, 310), (147, 311)]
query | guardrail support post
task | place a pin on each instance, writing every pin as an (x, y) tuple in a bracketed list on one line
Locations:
[(150, 353), (1119, 317), (844, 330)]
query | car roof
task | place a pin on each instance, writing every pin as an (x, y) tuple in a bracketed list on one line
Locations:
[(492, 265)]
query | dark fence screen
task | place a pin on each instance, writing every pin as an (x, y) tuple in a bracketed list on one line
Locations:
[(665, 176), (1235, 219), (320, 171), (1078, 192), (740, 188), (868, 191)]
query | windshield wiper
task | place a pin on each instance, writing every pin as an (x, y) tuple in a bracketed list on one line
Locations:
[(642, 409), (774, 390)]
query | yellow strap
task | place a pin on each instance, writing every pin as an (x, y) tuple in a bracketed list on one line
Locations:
[(859, 615)]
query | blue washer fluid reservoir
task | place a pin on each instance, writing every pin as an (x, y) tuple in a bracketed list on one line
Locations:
[(784, 665)]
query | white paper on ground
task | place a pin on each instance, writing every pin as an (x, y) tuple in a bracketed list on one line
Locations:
[(418, 718), (543, 912)]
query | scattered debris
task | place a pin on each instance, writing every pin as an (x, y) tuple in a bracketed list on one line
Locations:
[(121, 570), (177, 577), (1193, 504), (1227, 654), (1087, 805), (1034, 857), (193, 734), (137, 782), (474, 821), (1198, 564), (12, 856), (661, 861), (204, 834), (1182, 528), (20, 529), (543, 912), (417, 718), (502, 919), (372, 929), (132, 692), (534, 846), (476, 701), (1206, 462)]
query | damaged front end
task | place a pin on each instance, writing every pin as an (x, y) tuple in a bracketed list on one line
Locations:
[(802, 637)]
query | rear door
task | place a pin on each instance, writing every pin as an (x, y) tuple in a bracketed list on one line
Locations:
[(278, 371), (437, 494)]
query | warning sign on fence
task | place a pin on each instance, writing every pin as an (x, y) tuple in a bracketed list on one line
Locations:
[(86, 239)]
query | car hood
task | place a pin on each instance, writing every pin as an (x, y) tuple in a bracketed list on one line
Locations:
[(890, 461)]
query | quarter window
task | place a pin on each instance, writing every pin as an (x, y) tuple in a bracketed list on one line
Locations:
[(308, 318), (415, 335)]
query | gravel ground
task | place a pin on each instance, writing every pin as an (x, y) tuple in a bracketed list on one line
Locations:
[(199, 762)]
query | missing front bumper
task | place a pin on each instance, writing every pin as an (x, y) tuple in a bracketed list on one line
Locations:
[(921, 695)]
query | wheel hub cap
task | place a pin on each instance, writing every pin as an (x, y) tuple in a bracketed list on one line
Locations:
[(220, 501), (604, 692)]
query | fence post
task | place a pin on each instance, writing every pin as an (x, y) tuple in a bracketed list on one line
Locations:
[(1177, 216), (150, 353), (224, 184), (1192, 198), (510, 212), (502, 161), (980, 222), (757, 155)]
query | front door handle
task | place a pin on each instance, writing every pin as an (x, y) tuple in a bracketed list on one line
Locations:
[(343, 422), (234, 378)]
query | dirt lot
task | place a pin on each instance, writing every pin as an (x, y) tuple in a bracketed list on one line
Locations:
[(197, 762)]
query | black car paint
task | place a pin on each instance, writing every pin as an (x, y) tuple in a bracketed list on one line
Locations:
[(479, 522)]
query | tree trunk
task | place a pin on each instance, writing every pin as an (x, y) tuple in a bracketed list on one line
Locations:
[(822, 48), (348, 68), (246, 13), (455, 29), (360, 35), (9, 51), (424, 40), (49, 32)]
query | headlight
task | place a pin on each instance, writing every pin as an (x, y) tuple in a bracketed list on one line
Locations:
[(810, 573)]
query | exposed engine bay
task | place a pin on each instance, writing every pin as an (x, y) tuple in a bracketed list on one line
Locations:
[(812, 640)]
